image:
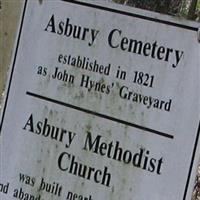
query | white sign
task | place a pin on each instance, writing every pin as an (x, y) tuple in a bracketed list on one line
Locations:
[(102, 103)]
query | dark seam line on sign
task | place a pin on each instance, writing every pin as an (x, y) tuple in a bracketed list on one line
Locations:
[(132, 15), (13, 66), (192, 162), (100, 115)]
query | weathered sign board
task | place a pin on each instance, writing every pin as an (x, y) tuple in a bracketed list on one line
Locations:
[(102, 103)]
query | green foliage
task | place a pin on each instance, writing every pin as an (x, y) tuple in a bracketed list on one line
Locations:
[(198, 5), (184, 8)]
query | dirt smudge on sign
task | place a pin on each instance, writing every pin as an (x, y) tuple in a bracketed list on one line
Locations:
[(40, 2)]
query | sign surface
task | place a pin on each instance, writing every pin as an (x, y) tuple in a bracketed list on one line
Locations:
[(102, 103)]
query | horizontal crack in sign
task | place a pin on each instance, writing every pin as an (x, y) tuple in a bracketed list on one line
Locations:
[(166, 135)]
